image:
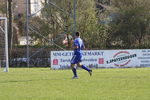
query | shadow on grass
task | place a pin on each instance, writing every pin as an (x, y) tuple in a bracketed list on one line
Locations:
[(16, 81)]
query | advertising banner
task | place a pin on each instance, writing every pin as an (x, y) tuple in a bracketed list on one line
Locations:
[(103, 58), (121, 58)]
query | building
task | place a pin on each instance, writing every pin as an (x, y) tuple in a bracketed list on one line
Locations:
[(19, 6), (34, 6)]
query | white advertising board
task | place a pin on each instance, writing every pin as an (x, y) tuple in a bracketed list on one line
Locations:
[(61, 59), (103, 58)]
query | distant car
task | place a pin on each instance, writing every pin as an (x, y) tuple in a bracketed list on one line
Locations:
[(34, 62), (18, 62), (41, 62)]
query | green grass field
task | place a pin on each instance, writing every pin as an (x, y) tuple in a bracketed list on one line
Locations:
[(46, 84)]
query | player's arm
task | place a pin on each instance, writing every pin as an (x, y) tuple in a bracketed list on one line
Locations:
[(75, 45), (83, 46)]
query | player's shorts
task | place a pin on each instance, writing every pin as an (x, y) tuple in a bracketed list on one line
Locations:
[(76, 59)]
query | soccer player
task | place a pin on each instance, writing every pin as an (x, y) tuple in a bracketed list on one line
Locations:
[(77, 57)]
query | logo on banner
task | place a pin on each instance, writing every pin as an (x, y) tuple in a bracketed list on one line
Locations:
[(121, 58), (101, 61), (55, 62)]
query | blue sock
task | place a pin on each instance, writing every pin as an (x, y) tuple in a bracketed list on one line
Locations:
[(86, 68), (74, 71)]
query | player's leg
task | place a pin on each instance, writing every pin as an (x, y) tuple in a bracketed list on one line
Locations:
[(74, 71), (73, 61), (85, 68)]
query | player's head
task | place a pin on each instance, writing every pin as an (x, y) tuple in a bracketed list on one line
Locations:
[(77, 34)]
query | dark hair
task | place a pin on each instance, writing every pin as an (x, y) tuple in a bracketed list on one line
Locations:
[(77, 33)]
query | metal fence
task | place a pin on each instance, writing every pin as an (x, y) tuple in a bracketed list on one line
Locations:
[(44, 30)]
